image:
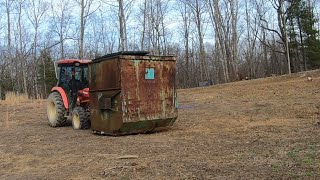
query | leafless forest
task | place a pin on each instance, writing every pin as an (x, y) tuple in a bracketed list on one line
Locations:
[(217, 41)]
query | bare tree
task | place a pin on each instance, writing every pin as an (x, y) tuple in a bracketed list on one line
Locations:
[(186, 23), (220, 29), (234, 36), (198, 9), (61, 21), (252, 32), (36, 15), (154, 34), (225, 23), (123, 28), (212, 39), (21, 48), (144, 11), (85, 12), (8, 7), (279, 6), (108, 32)]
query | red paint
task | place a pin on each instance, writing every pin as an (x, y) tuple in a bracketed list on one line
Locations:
[(71, 61), (85, 92), (63, 95), (83, 96)]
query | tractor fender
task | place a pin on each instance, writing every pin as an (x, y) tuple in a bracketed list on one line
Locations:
[(63, 96)]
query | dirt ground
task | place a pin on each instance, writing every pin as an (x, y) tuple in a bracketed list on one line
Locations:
[(256, 129)]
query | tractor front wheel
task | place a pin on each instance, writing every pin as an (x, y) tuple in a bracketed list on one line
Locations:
[(80, 119), (55, 110)]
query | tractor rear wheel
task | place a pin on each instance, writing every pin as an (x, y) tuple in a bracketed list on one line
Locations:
[(56, 110), (80, 119)]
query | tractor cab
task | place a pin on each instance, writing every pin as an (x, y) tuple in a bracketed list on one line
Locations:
[(69, 99), (72, 75)]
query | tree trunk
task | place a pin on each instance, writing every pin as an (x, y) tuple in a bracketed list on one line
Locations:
[(265, 54), (82, 26), (21, 55), (234, 21), (186, 25), (217, 20), (122, 25), (8, 25), (302, 45), (144, 24), (164, 47), (10, 59), (202, 55), (61, 43), (283, 30)]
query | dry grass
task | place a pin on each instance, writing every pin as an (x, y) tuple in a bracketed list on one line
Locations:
[(258, 129), (11, 101), (13, 98)]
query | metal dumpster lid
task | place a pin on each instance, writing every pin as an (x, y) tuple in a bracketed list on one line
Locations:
[(133, 53)]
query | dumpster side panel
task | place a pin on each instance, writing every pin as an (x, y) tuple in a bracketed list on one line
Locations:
[(105, 75), (105, 96), (132, 94), (106, 119), (148, 89), (168, 90)]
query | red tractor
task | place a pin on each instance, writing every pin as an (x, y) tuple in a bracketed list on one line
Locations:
[(69, 99)]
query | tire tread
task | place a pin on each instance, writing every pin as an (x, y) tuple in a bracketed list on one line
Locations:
[(84, 119), (61, 120)]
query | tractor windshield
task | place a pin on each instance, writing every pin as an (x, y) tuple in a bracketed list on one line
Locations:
[(81, 75), (78, 73), (65, 73)]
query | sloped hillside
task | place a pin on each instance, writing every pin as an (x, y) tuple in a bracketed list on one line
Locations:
[(263, 129)]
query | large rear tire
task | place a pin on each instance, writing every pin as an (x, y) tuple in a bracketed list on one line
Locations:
[(56, 110), (80, 119)]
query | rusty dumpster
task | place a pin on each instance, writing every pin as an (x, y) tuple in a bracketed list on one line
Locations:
[(132, 92)]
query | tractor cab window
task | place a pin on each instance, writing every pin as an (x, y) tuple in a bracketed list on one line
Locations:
[(81, 75), (65, 74), (78, 73), (85, 76), (74, 77)]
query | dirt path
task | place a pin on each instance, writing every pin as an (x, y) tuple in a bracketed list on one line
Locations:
[(259, 129)]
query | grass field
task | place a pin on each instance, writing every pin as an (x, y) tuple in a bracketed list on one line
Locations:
[(257, 129)]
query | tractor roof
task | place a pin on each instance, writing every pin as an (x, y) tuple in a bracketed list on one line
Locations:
[(71, 61)]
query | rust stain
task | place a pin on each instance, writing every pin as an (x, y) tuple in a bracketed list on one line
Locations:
[(130, 93)]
